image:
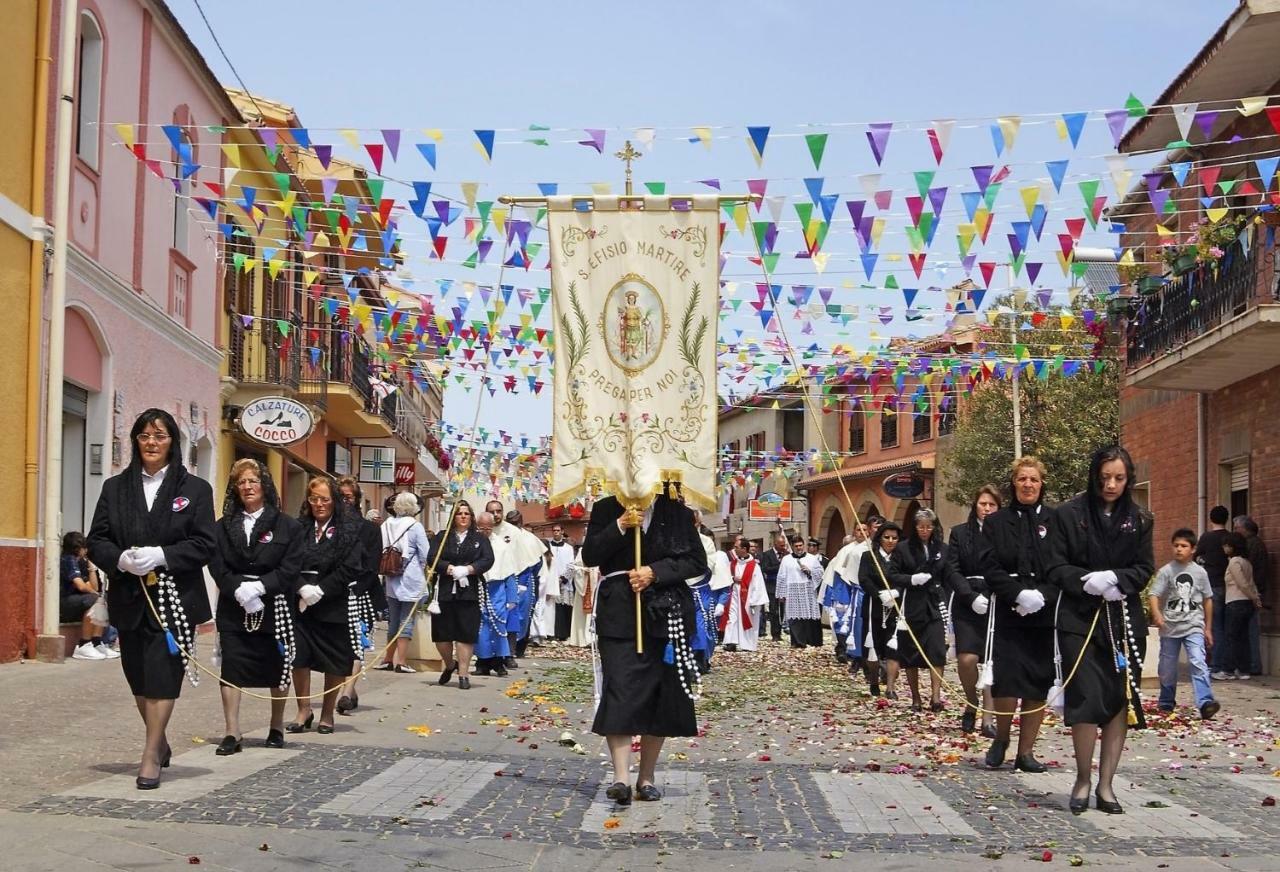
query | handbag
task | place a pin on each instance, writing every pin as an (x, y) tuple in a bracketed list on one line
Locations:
[(392, 561)]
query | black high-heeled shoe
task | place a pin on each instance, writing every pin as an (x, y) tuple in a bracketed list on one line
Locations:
[(228, 746), (325, 729), (968, 720), (275, 739), (620, 793), (1029, 763), (147, 783), (166, 757), (995, 754), (296, 727), (446, 675), (1079, 805), (1110, 806)]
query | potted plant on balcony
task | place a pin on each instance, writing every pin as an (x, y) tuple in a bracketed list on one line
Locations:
[(1179, 259), (1213, 240), (1136, 274)]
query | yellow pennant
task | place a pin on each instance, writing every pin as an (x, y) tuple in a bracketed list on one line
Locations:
[(1252, 105), (434, 133), (601, 189), (286, 202), (499, 219), (1216, 213), (352, 138), (704, 135), (877, 230), (469, 194), (274, 266), (309, 277), (1067, 321), (1029, 197), (820, 262), (125, 132), (233, 154), (1009, 126)]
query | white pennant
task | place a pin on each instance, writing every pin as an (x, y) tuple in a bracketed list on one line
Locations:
[(1184, 114)]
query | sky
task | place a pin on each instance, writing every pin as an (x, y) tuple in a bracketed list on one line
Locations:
[(674, 65)]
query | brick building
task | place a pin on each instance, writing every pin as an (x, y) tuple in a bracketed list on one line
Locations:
[(1200, 406)]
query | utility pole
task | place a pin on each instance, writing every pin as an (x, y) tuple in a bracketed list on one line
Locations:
[(49, 645)]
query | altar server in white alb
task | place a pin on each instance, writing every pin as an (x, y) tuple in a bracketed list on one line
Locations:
[(740, 623), (799, 577), (555, 581), (840, 594)]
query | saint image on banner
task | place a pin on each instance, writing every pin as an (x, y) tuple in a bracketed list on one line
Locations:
[(634, 335)]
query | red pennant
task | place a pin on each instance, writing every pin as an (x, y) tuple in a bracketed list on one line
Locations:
[(375, 150), (914, 206), (988, 268), (1037, 318), (439, 243), (1273, 115), (1075, 226), (935, 145), (1209, 178), (917, 262), (1066, 243), (384, 210)]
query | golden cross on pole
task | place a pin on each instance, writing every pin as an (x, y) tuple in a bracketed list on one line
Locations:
[(627, 155)]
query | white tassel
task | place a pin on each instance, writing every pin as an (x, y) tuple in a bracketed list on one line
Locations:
[(986, 676), (1057, 700)]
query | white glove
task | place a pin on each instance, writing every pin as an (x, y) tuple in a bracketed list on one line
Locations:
[(522, 588), (887, 597), (1029, 602), (1113, 594), (253, 605), (128, 564), (147, 558), (719, 609), (249, 590), (1097, 583), (459, 572), (921, 578), (310, 594), (980, 605), (841, 608)]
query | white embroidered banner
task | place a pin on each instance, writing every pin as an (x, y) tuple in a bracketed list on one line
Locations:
[(635, 298)]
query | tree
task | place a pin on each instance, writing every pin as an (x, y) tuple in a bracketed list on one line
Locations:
[(1064, 418)]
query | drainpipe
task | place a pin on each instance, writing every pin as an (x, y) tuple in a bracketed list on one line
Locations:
[(57, 333), (1202, 491), (35, 294)]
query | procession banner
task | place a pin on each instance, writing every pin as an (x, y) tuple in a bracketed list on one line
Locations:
[(634, 301)]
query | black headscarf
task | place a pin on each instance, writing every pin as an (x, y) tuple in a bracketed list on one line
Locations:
[(232, 506), (1124, 512), (142, 527), (346, 523), (1028, 520)]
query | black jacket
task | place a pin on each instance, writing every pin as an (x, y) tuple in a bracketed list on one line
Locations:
[(965, 550), (334, 564), (371, 546), (1005, 535), (474, 551), (670, 547), (868, 576), (919, 603), (1076, 548), (273, 553), (770, 561), (184, 529)]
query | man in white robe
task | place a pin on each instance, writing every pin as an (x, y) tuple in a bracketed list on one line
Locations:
[(517, 554), (585, 581), (740, 621), (799, 577), (557, 587)]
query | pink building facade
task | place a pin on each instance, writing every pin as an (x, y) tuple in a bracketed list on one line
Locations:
[(144, 271)]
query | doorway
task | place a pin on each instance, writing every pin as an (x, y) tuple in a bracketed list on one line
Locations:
[(75, 415)]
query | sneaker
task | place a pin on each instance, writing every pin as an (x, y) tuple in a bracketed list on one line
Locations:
[(87, 652), (1223, 676), (1242, 676), (107, 651)]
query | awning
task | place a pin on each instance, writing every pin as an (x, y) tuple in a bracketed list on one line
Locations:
[(923, 464)]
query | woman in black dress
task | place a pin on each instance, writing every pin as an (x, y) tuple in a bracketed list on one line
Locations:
[(918, 571), (332, 564), (970, 601), (370, 599), (153, 534), (873, 572), (1100, 556), (461, 557), (1024, 600), (255, 567), (644, 694)]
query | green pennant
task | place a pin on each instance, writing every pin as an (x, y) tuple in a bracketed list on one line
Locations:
[(375, 190), (283, 326), (542, 213), (656, 188), (915, 238), (532, 249), (770, 262), (990, 197), (1018, 262), (891, 281), (1089, 191), (817, 143), (1019, 351), (926, 223), (924, 179), (470, 262), (761, 228), (1135, 107), (1079, 269), (300, 219), (963, 244), (1225, 186), (805, 212), (535, 309), (483, 208), (1170, 207), (282, 182)]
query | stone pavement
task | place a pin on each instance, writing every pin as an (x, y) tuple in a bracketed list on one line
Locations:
[(430, 777)]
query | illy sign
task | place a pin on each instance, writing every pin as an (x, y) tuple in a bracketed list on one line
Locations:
[(404, 473), (276, 420)]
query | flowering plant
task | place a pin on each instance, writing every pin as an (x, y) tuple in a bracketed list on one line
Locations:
[(1206, 244)]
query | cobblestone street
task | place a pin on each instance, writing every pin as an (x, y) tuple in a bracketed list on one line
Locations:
[(421, 770)]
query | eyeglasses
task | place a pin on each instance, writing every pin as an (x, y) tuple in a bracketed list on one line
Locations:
[(319, 501), (248, 482), (154, 438)]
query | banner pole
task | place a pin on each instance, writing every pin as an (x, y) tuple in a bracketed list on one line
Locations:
[(639, 624)]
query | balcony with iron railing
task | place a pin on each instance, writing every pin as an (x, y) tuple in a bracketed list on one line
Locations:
[(258, 354), (314, 386), (1177, 337)]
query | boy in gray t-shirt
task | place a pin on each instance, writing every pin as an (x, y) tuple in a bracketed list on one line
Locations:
[(1181, 603)]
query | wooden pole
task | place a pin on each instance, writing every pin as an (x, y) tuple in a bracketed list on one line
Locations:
[(639, 623)]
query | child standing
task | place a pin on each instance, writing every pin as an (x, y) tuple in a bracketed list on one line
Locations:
[(1181, 601), (1242, 601)]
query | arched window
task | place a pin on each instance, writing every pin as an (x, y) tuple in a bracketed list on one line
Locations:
[(89, 89)]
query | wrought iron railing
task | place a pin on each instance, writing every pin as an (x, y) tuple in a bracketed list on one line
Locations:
[(259, 354), (1194, 303), (316, 364)]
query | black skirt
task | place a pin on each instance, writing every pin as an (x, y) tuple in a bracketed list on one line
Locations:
[(322, 646), (641, 695), (1022, 662), (1096, 693), (881, 627), (152, 672), (251, 659), (458, 621), (932, 639), (970, 629)]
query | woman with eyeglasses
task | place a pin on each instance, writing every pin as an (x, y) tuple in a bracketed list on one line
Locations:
[(256, 567), (153, 534), (873, 575), (464, 557), (370, 600), (332, 564)]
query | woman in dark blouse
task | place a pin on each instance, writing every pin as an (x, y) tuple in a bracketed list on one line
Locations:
[(461, 557)]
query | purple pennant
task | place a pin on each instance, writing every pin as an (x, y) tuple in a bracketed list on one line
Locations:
[(710, 183), (864, 229), (770, 236), (442, 210), (483, 248), (856, 208), (595, 139), (1204, 120), (757, 187), (324, 153), (886, 314), (825, 293), (878, 137), (391, 137), (1015, 244), (1116, 120), (967, 262), (1159, 198), (1033, 271), (1043, 298), (982, 176), (329, 186), (937, 196)]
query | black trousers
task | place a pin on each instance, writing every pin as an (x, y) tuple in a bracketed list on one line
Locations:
[(772, 615), (1235, 646), (805, 632)]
